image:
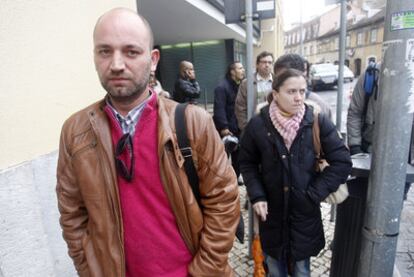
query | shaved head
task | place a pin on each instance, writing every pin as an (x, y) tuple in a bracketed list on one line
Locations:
[(124, 57), (132, 16), (186, 70), (184, 65)]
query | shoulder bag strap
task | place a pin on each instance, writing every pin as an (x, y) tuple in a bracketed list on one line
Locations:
[(185, 148)]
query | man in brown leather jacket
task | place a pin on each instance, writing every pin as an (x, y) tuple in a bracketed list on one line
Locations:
[(126, 206)]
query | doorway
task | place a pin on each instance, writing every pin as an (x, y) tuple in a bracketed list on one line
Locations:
[(357, 63)]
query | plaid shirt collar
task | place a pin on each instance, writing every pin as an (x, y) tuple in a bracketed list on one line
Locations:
[(128, 122)]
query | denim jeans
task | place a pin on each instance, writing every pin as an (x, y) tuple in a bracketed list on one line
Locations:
[(279, 269)]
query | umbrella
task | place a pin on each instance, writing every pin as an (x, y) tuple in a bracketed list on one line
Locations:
[(257, 251)]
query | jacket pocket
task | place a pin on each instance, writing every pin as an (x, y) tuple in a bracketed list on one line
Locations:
[(76, 152), (83, 142), (302, 205), (88, 170)]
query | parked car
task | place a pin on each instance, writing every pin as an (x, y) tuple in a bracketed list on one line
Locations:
[(348, 74), (323, 75)]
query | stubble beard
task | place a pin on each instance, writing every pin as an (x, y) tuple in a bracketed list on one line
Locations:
[(128, 94)]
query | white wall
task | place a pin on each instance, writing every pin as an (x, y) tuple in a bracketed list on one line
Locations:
[(46, 71), (31, 243)]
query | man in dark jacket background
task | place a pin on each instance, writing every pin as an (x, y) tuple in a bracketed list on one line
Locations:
[(224, 100), (186, 88)]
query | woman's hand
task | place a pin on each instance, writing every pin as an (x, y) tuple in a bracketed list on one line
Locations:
[(260, 209)]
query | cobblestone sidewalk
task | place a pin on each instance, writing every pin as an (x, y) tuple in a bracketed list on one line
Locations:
[(320, 265), (405, 247)]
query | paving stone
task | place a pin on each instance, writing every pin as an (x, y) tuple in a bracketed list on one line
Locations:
[(320, 265)]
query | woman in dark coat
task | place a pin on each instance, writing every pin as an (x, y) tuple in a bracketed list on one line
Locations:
[(277, 161)]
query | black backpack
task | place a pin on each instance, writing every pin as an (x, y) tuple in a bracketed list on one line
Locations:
[(190, 170)]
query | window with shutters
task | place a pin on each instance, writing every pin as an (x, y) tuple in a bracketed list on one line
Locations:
[(374, 33), (360, 38)]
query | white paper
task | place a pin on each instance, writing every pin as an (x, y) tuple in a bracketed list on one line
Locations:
[(265, 6)]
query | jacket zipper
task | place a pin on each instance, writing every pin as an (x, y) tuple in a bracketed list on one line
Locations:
[(117, 218), (108, 181)]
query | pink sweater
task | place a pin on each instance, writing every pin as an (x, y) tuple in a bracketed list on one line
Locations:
[(153, 244)]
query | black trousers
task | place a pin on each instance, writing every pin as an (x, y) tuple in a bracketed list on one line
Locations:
[(235, 162)]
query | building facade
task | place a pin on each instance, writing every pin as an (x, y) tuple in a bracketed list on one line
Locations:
[(363, 41), (203, 38), (271, 34), (321, 37)]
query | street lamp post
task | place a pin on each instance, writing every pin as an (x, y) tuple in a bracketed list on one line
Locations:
[(342, 39), (301, 27)]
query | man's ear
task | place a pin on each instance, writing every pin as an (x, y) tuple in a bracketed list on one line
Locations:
[(155, 57)]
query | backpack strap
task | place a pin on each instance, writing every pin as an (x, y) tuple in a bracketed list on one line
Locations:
[(186, 151), (376, 80)]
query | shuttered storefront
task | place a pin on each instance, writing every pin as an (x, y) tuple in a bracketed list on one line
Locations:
[(210, 59)]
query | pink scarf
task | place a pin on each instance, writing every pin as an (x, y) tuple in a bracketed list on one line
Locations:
[(286, 126)]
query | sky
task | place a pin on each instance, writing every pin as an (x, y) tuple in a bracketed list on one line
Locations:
[(291, 10)]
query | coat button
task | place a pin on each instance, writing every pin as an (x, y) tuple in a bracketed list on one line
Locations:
[(283, 156), (285, 189), (268, 134)]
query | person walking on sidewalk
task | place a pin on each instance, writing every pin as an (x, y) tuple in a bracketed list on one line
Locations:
[(224, 99), (126, 206), (297, 62), (277, 161), (186, 87), (262, 86), (226, 121)]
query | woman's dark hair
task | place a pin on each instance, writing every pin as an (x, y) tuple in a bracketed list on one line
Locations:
[(284, 75), (231, 67), (281, 78), (290, 60)]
